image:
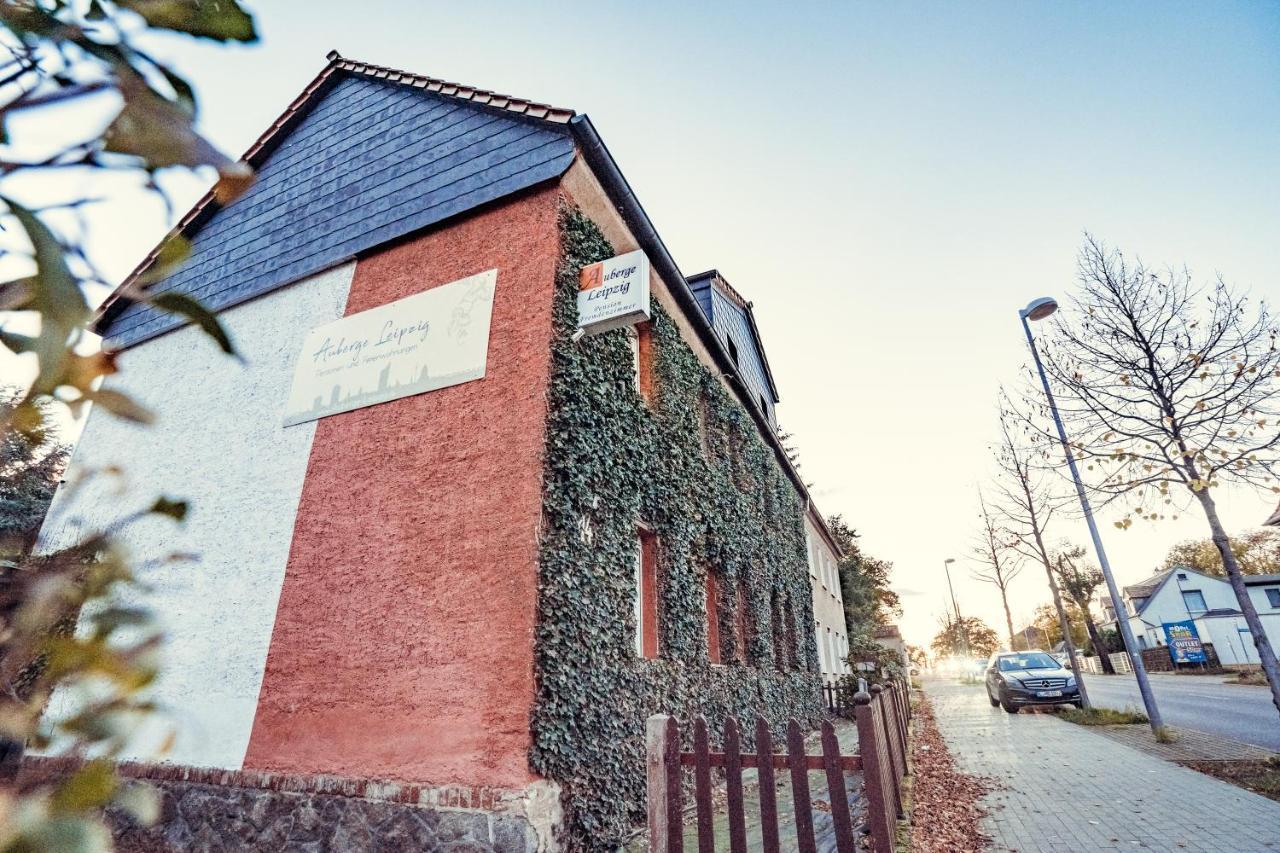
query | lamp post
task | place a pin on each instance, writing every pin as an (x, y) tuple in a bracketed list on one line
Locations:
[(1038, 309), (946, 567)]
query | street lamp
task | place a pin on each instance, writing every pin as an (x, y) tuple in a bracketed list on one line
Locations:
[(946, 567), (1038, 309)]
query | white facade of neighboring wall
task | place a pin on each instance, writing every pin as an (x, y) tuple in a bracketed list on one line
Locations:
[(218, 442), (828, 605), (1229, 634)]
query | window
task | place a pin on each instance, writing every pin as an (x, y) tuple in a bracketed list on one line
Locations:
[(764, 407), (704, 425), (713, 617), (779, 637), (742, 624), (646, 587), (1194, 600), (822, 649), (1273, 596), (633, 343), (1182, 576), (789, 635), (813, 557), (828, 658), (640, 340), (733, 349)]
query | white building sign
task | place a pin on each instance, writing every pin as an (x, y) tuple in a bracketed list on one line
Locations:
[(430, 340), (614, 293)]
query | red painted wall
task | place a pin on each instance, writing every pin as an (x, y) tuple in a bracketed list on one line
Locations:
[(403, 643)]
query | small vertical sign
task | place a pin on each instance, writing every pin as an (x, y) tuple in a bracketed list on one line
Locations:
[(614, 293)]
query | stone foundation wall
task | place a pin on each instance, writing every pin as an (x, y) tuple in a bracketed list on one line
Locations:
[(212, 811)]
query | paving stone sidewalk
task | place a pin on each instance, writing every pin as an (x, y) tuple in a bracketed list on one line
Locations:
[(1066, 788)]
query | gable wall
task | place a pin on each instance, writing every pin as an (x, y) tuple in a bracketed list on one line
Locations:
[(403, 642)]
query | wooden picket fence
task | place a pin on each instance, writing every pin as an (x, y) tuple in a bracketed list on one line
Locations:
[(882, 716)]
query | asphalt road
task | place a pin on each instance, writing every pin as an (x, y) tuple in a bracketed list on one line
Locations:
[(1200, 702)]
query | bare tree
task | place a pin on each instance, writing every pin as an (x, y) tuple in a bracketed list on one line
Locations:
[(1026, 503), (1170, 389), (1001, 562)]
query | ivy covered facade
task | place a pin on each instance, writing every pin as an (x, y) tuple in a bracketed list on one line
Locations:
[(686, 461)]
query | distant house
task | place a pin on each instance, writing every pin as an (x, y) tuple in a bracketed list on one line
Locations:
[(828, 601), (891, 638), (1182, 594)]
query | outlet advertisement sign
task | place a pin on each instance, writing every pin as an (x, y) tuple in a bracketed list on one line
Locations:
[(430, 340), (1184, 642), (613, 293)]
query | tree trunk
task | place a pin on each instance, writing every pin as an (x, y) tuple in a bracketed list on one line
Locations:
[(1096, 639), (1008, 618), (1261, 642)]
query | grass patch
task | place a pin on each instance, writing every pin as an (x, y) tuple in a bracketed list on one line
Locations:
[(1103, 716), (1163, 734), (1257, 677), (1262, 776)]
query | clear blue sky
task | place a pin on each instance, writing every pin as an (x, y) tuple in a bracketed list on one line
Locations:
[(887, 182)]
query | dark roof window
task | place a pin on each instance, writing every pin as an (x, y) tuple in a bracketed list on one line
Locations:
[(733, 349)]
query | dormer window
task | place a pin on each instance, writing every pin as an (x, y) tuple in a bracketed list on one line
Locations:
[(733, 350)]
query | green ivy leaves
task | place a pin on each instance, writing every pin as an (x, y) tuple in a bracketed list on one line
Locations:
[(613, 460)]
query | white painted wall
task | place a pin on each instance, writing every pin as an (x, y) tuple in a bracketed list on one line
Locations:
[(1229, 634), (218, 442), (828, 606)]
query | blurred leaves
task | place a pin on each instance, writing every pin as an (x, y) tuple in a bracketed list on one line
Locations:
[(63, 54)]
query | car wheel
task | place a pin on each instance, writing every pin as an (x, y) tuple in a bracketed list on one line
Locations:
[(995, 703), (1008, 706)]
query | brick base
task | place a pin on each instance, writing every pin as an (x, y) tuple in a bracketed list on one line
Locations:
[(223, 810)]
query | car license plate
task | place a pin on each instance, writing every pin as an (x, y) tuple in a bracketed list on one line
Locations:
[(1046, 693)]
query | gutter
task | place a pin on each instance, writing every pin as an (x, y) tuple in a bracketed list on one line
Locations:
[(620, 193)]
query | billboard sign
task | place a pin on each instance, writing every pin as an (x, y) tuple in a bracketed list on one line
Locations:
[(1184, 642), (613, 293), (431, 340)]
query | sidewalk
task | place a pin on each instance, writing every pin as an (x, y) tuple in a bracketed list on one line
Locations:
[(1066, 788)]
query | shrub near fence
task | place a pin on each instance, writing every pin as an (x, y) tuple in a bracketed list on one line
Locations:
[(882, 716)]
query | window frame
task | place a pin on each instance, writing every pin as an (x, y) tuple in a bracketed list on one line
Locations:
[(711, 602), (648, 626), (1204, 605), (1273, 595)]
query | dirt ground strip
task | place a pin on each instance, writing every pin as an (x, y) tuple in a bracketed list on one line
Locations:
[(945, 814)]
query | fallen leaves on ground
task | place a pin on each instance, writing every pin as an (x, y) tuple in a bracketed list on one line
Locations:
[(945, 814)]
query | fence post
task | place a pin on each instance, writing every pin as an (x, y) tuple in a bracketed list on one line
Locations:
[(878, 807), (655, 747)]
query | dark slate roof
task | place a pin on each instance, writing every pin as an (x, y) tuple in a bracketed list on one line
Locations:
[(1259, 580), (1144, 588), (365, 155), (1221, 611)]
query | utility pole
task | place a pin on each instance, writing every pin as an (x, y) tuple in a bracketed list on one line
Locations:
[(964, 632), (1038, 310)]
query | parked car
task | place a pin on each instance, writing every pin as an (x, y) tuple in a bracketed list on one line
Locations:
[(1015, 679)]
